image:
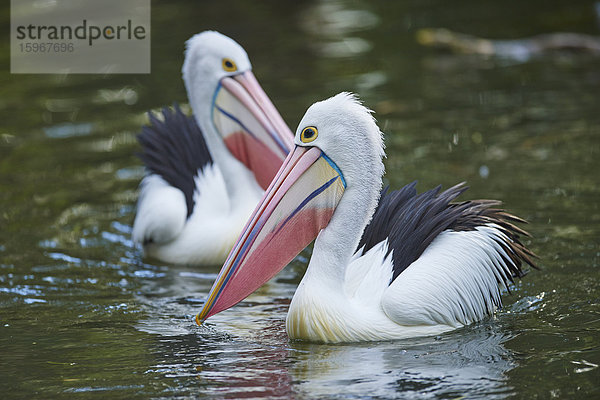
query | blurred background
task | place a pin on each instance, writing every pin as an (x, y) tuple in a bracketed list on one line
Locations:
[(464, 91)]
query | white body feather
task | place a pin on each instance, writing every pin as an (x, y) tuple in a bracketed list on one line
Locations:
[(161, 211), (207, 236), (431, 296), (454, 282)]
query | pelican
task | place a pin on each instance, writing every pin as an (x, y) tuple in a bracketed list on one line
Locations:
[(206, 174), (385, 265)]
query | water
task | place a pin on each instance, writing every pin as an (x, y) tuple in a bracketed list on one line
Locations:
[(83, 315)]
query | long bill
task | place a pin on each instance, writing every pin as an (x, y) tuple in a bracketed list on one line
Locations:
[(250, 125), (297, 205)]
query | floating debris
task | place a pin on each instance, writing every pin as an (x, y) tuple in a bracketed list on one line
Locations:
[(518, 49)]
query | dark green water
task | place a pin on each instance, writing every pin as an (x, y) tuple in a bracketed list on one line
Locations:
[(82, 315)]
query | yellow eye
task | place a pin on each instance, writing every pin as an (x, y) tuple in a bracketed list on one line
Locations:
[(229, 65), (309, 134)]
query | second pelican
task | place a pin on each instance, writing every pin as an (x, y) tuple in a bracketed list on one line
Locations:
[(206, 174)]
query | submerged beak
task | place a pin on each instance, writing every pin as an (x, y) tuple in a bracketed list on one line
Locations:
[(297, 205), (251, 127)]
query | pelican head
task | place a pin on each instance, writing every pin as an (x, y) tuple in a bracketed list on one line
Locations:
[(211, 56), (337, 159), (346, 131), (231, 108)]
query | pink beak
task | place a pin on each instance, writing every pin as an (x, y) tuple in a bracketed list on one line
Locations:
[(297, 205), (251, 127)]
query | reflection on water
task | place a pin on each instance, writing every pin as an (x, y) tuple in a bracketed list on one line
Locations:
[(82, 312), (471, 360)]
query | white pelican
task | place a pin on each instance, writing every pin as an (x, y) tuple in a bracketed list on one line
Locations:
[(422, 266), (205, 176)]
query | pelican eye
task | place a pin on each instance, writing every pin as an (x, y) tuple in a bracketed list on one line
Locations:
[(229, 65), (309, 134)]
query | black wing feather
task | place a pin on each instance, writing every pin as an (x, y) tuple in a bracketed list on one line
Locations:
[(174, 148), (411, 221)]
